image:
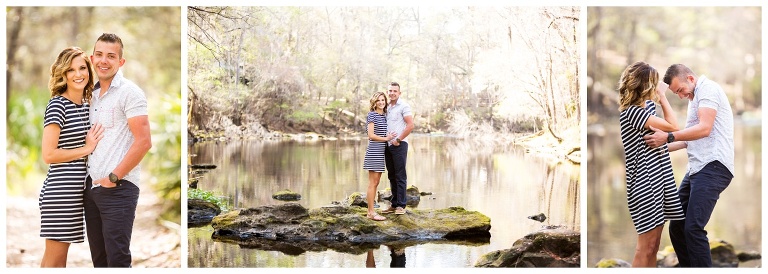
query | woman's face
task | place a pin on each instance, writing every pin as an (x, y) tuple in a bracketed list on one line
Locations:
[(77, 74), (381, 102)]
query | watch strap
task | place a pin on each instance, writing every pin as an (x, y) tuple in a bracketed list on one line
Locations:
[(670, 137)]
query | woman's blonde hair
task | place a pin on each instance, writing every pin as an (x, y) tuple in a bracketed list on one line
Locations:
[(375, 98), (637, 84), (58, 81)]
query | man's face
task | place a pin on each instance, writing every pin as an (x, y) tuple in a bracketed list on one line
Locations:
[(683, 87), (106, 59), (394, 93)]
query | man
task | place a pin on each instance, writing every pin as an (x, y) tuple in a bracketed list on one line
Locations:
[(112, 187), (708, 136), (399, 121)]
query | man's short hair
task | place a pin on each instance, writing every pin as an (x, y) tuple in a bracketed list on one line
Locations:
[(394, 84), (112, 38), (676, 71)]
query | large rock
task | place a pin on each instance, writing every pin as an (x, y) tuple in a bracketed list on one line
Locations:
[(294, 229), (201, 212), (546, 248)]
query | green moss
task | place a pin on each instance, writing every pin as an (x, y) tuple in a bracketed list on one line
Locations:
[(354, 196), (225, 220), (607, 263)]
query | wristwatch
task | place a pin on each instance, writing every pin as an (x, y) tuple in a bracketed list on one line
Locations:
[(397, 139), (113, 178), (670, 137)]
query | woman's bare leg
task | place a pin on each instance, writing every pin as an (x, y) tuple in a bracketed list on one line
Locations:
[(373, 183), (647, 247), (55, 254)]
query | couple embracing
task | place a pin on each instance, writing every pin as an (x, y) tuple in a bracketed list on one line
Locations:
[(94, 136), (389, 123), (652, 196)]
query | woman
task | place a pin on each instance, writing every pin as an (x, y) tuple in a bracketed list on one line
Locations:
[(67, 141), (377, 141), (651, 191)]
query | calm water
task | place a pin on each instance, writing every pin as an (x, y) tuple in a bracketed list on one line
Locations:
[(505, 184), (737, 215)]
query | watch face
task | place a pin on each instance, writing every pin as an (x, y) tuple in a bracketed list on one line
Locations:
[(112, 177)]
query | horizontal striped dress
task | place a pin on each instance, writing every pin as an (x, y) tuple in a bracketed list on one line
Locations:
[(61, 197), (651, 191), (374, 154)]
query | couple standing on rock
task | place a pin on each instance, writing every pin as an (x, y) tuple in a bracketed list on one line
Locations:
[(388, 124)]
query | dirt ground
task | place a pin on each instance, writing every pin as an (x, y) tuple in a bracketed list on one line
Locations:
[(153, 244)]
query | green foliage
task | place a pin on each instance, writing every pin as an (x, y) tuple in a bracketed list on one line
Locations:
[(24, 135), (303, 116), (163, 161), (220, 201)]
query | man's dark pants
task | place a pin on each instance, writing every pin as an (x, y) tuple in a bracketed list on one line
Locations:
[(395, 157), (109, 215), (698, 194)]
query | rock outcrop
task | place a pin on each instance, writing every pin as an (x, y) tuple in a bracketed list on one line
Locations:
[(294, 229), (546, 248)]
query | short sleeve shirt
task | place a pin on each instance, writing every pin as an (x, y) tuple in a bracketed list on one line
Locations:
[(122, 101), (718, 146), (396, 117)]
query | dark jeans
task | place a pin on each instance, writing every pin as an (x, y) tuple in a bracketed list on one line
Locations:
[(395, 157), (109, 215), (698, 194)]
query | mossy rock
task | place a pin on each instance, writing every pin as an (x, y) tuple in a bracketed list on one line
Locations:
[(546, 248), (286, 195), (612, 263), (345, 228)]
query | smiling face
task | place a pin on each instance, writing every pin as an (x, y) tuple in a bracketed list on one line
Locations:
[(683, 87), (77, 75), (394, 93), (381, 102), (107, 60)]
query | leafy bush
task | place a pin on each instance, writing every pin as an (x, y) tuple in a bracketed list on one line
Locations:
[(220, 201)]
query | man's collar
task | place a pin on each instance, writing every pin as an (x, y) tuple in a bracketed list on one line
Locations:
[(116, 81), (698, 83)]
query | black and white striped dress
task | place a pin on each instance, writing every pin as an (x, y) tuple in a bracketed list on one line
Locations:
[(374, 154), (61, 197), (651, 191)]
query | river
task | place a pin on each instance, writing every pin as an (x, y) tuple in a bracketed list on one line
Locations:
[(503, 182)]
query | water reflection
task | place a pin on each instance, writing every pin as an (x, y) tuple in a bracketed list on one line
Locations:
[(736, 219), (504, 183)]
